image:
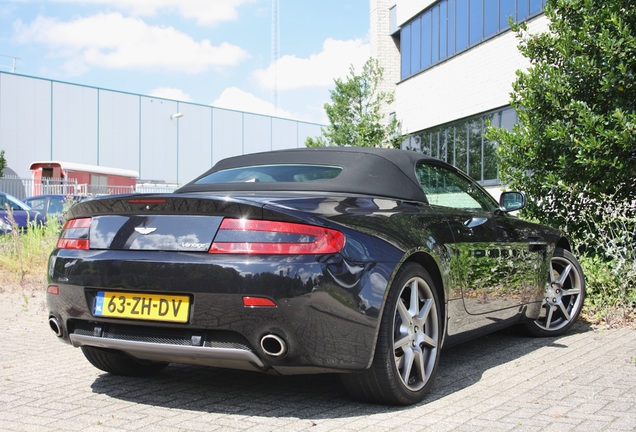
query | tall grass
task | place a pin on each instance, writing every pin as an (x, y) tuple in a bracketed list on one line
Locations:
[(24, 254), (603, 230), (610, 264)]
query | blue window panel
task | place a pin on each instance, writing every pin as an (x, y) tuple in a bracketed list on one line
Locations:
[(491, 17), (435, 35), (426, 40), (476, 21), (506, 10), (451, 27), (522, 10), (535, 7), (461, 23), (405, 51), (443, 31), (416, 50)]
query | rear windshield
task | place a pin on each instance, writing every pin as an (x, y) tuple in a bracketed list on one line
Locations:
[(288, 173)]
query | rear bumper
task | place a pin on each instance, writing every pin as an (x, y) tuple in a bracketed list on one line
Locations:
[(233, 358), (326, 315)]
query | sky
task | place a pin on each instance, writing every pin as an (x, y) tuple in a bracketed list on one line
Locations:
[(211, 52)]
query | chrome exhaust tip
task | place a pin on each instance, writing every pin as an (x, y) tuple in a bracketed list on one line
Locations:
[(273, 345), (55, 326)]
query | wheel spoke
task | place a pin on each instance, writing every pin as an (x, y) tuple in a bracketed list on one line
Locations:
[(548, 318), (402, 343), (564, 275), (404, 313), (426, 309), (407, 365), (552, 279), (429, 341), (415, 298), (572, 291), (566, 314), (419, 364)]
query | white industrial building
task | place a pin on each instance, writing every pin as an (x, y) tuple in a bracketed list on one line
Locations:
[(451, 64), (162, 140)]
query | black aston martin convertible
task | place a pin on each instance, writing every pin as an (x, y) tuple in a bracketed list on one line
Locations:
[(362, 262)]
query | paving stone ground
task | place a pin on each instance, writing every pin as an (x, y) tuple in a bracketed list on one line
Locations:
[(585, 381)]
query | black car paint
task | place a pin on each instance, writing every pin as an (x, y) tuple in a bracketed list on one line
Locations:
[(381, 234), (305, 288)]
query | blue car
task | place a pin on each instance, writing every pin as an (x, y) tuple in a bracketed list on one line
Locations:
[(23, 215), (52, 205)]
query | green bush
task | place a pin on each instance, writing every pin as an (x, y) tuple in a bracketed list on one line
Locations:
[(573, 151), (610, 298), (603, 231)]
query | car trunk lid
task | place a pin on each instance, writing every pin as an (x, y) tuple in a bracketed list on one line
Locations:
[(157, 222)]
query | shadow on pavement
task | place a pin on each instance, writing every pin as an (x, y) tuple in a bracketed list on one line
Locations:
[(222, 391)]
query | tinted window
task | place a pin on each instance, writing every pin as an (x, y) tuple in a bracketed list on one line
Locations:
[(435, 34), (506, 11), (56, 206), (405, 50), (476, 21), (451, 26), (443, 30), (522, 9), (491, 13), (37, 204), (446, 188), (415, 46), (8, 202), (426, 40), (463, 144), (461, 21), (273, 174)]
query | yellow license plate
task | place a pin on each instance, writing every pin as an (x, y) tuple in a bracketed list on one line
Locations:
[(155, 307)]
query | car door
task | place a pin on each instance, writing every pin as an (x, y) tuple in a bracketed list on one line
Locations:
[(494, 262)]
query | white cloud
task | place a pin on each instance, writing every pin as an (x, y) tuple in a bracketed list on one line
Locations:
[(171, 93), (237, 99), (114, 41), (204, 12), (318, 70)]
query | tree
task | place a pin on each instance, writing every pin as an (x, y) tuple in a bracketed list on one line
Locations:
[(574, 150), (3, 162), (576, 137), (355, 114)]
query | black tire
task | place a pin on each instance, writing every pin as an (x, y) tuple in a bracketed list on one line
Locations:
[(118, 363), (402, 371), (564, 297)]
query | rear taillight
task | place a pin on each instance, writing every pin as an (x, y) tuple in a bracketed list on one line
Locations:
[(75, 234), (241, 236)]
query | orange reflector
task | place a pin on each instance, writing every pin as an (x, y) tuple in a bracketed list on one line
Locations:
[(258, 302), (53, 289)]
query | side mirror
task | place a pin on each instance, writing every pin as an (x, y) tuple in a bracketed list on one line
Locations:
[(511, 201)]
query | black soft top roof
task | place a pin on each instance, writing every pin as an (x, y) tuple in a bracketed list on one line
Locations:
[(365, 170)]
